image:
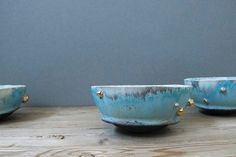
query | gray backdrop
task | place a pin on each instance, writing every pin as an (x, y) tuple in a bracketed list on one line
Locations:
[(61, 47)]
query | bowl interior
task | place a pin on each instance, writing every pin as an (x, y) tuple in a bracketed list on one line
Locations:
[(211, 79), (143, 86), (11, 86)]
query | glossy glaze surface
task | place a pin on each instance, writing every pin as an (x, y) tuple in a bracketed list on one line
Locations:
[(214, 93), (11, 97), (141, 105)]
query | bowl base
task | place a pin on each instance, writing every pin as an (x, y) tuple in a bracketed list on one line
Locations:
[(140, 129), (215, 108), (5, 115), (217, 112)]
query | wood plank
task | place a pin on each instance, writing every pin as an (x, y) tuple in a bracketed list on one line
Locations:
[(78, 131)]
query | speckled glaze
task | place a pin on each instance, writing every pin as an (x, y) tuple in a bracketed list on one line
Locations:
[(11, 97), (141, 105), (214, 93)]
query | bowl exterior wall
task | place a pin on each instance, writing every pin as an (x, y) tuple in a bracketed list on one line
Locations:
[(140, 106), (11, 99), (214, 95)]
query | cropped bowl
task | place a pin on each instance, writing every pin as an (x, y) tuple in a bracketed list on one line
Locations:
[(11, 97), (214, 93), (141, 106)]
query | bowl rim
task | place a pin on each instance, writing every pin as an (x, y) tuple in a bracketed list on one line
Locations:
[(11, 86), (143, 86), (218, 78)]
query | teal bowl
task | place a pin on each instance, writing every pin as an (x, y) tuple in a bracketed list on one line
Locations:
[(11, 97), (214, 93), (141, 107)]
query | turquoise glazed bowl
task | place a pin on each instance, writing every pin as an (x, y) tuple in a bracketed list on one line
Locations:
[(137, 107), (214, 93), (11, 97)]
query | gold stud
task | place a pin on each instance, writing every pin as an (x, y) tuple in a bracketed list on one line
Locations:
[(190, 102), (180, 109), (223, 90), (205, 101), (25, 99), (100, 94)]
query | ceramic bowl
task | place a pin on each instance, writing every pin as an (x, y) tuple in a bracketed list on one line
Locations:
[(214, 93), (137, 107), (11, 97)]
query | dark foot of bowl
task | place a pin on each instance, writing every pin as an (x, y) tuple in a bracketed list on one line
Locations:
[(218, 112), (140, 129), (5, 115)]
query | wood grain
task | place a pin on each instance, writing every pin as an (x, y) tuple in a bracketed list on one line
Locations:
[(79, 132)]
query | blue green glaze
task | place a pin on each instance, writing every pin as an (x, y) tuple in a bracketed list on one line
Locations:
[(151, 105), (11, 97), (209, 88)]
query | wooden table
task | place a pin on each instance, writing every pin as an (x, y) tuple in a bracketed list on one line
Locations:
[(79, 132)]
